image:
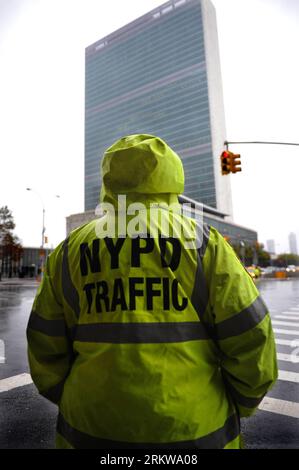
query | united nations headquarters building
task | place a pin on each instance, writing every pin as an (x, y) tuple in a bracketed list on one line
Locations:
[(160, 75)]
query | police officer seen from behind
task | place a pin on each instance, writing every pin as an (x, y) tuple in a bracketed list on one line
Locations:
[(142, 341)]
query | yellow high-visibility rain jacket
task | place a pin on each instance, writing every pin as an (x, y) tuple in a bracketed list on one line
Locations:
[(142, 341)]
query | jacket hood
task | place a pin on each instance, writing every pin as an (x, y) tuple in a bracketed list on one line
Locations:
[(141, 164)]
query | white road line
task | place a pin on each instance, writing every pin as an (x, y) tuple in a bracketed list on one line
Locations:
[(286, 332), (287, 317), (284, 323), (281, 407), (14, 382), (288, 376), (294, 308), (290, 312), (287, 342), (272, 405), (288, 358)]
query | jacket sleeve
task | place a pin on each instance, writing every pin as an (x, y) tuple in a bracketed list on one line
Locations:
[(241, 327), (49, 345)]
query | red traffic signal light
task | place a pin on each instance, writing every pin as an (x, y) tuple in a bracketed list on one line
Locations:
[(230, 162), (225, 163)]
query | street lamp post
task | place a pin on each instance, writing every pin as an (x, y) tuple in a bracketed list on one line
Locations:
[(242, 251), (43, 228), (43, 231)]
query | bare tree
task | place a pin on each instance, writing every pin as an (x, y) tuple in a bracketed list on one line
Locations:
[(10, 246)]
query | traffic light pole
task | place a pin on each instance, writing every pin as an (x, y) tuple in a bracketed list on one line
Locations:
[(227, 143), (231, 163)]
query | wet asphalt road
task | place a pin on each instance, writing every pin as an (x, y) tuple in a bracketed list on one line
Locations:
[(27, 420)]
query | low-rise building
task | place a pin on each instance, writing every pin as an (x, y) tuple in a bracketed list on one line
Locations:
[(233, 232)]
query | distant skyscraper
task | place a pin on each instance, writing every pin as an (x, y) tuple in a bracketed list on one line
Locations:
[(270, 244), (293, 243), (160, 75)]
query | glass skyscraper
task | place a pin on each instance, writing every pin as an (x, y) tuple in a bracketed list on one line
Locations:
[(160, 75)]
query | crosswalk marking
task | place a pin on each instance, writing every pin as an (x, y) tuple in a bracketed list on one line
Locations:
[(290, 312), (288, 357), (288, 317), (287, 342), (288, 376), (286, 332), (282, 407), (294, 308), (284, 323), (14, 382)]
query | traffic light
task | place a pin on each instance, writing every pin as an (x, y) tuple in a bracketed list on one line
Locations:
[(225, 163), (236, 162), (230, 162)]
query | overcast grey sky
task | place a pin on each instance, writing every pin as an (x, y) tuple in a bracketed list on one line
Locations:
[(42, 45)]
